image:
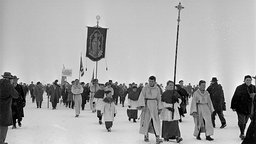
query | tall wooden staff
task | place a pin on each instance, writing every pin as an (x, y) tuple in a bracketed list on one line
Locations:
[(179, 7)]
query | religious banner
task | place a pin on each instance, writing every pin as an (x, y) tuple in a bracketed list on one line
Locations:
[(96, 40)]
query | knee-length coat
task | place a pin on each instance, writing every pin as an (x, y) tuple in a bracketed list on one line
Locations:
[(7, 93)]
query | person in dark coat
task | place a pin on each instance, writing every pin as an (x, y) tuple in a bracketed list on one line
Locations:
[(55, 93), (7, 93), (84, 95), (242, 103), (250, 137), (218, 101), (31, 89), (184, 99), (18, 104)]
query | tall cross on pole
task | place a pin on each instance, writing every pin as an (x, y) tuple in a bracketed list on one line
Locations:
[(179, 7)]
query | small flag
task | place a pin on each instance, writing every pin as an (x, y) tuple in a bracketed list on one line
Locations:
[(81, 67)]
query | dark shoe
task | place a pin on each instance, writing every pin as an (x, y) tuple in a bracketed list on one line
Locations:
[(129, 119), (77, 116), (166, 139), (223, 126), (134, 120), (198, 138), (146, 138), (109, 130), (158, 140), (209, 138), (19, 124), (242, 136), (100, 122), (14, 127), (178, 139)]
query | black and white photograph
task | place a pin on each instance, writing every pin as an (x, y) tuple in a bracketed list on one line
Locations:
[(127, 71)]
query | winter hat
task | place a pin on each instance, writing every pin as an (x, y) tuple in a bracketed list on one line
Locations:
[(247, 76), (214, 79)]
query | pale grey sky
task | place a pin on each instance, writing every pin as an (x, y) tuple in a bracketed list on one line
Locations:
[(217, 38)]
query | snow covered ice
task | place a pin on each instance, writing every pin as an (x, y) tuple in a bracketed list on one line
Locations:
[(47, 126)]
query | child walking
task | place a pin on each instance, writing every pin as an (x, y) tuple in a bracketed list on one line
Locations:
[(108, 110)]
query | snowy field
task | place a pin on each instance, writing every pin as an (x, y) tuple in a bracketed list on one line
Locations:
[(47, 126)]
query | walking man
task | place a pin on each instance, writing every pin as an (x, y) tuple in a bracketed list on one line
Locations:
[(7, 93), (218, 101), (242, 103), (150, 103)]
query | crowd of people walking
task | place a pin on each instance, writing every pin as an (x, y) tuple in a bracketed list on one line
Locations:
[(157, 104)]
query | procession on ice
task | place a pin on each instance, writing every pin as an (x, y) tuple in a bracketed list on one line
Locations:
[(160, 109)]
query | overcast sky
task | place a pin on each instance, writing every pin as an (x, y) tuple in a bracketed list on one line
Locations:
[(217, 38)]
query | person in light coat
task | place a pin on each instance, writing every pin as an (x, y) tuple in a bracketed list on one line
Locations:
[(170, 114), (38, 92), (150, 103), (108, 110), (201, 110), (77, 89)]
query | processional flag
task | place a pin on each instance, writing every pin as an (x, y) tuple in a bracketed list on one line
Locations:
[(81, 67), (96, 40)]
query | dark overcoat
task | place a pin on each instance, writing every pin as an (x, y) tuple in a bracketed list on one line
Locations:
[(241, 100), (217, 96), (7, 93)]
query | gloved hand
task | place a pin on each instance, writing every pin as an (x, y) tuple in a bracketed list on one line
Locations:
[(114, 115), (170, 109), (129, 106)]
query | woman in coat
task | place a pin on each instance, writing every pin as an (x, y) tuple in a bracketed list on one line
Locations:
[(170, 114), (201, 109), (108, 110), (70, 100), (38, 92)]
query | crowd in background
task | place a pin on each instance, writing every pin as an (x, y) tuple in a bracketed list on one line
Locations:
[(103, 97)]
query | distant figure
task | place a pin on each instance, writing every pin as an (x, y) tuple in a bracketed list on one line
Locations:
[(55, 93), (201, 110), (7, 93), (70, 100), (108, 110), (38, 92), (31, 89), (218, 101), (77, 89), (18, 104), (170, 114), (150, 103), (242, 103)]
